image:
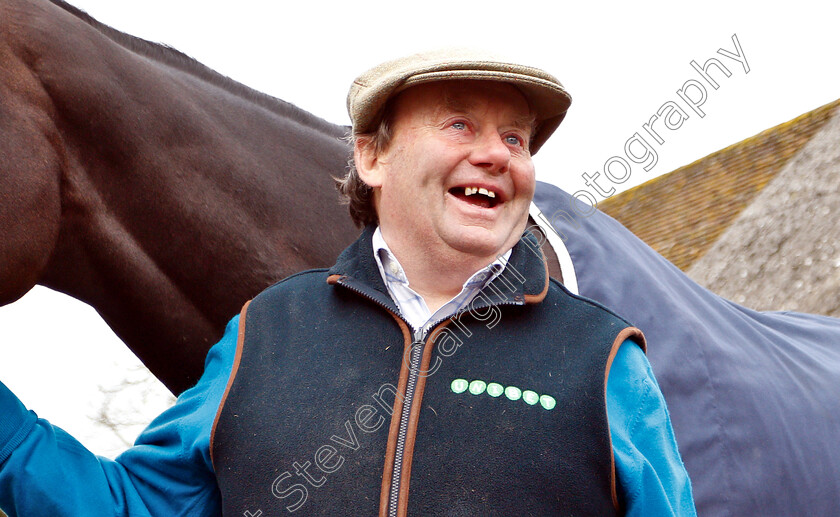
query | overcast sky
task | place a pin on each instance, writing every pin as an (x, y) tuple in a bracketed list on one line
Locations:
[(621, 62)]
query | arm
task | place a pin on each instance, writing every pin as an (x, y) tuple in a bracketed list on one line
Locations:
[(651, 476), (45, 471)]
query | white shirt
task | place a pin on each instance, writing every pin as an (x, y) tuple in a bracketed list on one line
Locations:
[(412, 306)]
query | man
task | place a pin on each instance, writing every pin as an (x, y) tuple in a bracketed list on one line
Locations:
[(434, 370)]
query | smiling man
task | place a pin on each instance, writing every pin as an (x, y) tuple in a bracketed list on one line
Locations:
[(443, 180), (435, 369), (453, 188)]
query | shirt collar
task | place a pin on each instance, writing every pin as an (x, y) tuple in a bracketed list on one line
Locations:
[(412, 306)]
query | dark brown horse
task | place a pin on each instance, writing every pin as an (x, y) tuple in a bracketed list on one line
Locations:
[(150, 187), (165, 195)]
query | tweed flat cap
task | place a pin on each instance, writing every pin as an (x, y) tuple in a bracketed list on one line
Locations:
[(371, 91)]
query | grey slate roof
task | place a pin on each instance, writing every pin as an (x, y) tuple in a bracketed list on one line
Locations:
[(682, 213), (782, 252)]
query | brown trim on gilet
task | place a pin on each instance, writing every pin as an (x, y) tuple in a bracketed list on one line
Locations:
[(619, 339), (549, 254), (539, 297), (240, 341), (394, 429)]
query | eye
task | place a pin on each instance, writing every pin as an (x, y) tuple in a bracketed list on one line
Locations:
[(460, 126), (514, 140)]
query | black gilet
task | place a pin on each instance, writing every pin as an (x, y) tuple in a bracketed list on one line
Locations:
[(508, 413)]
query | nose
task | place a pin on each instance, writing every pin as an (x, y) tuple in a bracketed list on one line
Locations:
[(491, 153)]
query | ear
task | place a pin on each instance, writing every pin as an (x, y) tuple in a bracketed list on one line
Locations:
[(367, 162)]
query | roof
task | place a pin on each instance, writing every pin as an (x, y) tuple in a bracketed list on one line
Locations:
[(682, 213), (783, 250)]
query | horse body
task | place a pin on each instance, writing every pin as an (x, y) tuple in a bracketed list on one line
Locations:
[(127, 184)]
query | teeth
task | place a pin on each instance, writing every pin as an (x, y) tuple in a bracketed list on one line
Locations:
[(469, 191)]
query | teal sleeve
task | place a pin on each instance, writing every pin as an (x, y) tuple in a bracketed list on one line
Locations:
[(45, 471), (652, 480)]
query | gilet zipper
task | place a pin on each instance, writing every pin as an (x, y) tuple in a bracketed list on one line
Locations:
[(413, 373)]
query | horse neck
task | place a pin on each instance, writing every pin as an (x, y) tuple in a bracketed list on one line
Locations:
[(181, 198), (171, 166)]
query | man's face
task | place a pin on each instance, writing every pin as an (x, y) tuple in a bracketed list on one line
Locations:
[(457, 175)]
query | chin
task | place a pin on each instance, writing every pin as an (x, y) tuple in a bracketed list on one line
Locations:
[(480, 244)]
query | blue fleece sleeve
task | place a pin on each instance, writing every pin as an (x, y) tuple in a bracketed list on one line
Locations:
[(45, 471), (652, 480)]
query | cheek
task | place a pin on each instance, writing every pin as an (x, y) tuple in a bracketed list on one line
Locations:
[(525, 182)]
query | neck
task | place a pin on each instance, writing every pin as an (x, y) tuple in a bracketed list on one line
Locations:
[(437, 277), (436, 293)]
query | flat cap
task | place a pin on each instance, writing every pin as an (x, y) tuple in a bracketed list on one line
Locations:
[(371, 91)]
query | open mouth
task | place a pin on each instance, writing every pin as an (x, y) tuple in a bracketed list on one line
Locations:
[(478, 196)]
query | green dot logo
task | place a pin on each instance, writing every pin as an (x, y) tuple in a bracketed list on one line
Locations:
[(530, 397), (477, 387), (547, 402), (513, 393), (459, 385), (494, 389)]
